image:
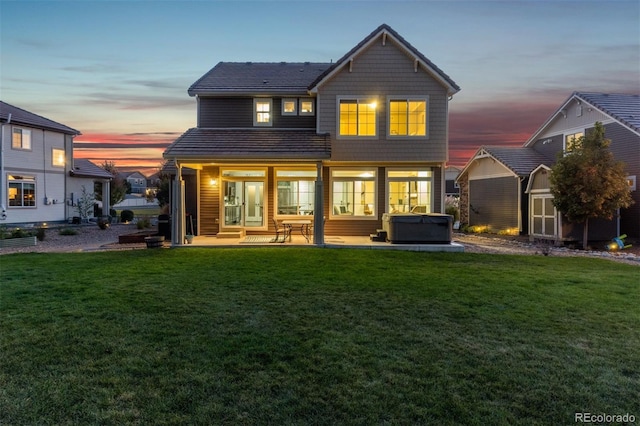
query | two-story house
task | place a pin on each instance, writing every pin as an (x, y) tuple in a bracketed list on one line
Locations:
[(340, 143), (508, 187), (137, 181), (38, 177)]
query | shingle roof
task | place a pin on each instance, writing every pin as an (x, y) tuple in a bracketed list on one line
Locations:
[(384, 28), (26, 118), (624, 108), (258, 77), (85, 168), (522, 161), (247, 144)]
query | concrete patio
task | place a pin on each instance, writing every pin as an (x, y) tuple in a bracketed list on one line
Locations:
[(298, 241)]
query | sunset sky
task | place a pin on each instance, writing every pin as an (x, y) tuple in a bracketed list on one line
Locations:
[(119, 71)]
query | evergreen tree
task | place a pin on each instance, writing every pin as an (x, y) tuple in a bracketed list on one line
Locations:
[(587, 182)]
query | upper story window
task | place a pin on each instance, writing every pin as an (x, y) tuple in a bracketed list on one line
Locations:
[(357, 117), (573, 141), (289, 107), (407, 117), (57, 157), (21, 138), (262, 112), (22, 191), (306, 107)]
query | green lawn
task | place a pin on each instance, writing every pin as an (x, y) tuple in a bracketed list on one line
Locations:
[(315, 336)]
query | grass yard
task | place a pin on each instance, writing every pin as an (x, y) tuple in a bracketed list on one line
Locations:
[(315, 336)]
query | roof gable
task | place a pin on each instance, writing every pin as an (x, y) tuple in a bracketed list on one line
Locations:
[(623, 108), (26, 118), (520, 160), (386, 33)]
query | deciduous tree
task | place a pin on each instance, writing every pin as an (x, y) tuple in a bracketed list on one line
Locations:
[(588, 183), (118, 188)]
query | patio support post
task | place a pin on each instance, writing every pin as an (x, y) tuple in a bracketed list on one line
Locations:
[(178, 209), (318, 209), (106, 197)]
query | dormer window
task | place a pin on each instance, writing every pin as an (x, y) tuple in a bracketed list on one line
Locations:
[(306, 107), (262, 112), (289, 107)]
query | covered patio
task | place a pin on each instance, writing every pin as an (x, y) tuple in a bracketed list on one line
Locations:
[(299, 241)]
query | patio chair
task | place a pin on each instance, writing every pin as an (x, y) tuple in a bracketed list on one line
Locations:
[(280, 230)]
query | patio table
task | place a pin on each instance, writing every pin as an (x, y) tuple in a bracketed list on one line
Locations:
[(304, 225)]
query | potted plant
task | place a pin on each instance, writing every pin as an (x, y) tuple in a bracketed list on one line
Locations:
[(189, 238)]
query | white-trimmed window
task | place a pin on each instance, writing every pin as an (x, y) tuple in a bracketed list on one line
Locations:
[(357, 117), (407, 117), (21, 138), (57, 157), (631, 181), (573, 141), (289, 106), (353, 193), (410, 191), (262, 112), (306, 107), (295, 192), (22, 191)]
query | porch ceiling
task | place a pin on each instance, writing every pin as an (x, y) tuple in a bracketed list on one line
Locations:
[(249, 144)]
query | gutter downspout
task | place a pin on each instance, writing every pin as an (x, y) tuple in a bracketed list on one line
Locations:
[(3, 184)]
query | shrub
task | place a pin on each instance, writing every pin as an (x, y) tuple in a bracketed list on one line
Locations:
[(126, 215), (68, 231), (143, 223), (453, 211), (18, 233)]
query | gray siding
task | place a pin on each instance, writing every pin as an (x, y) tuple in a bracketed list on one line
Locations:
[(540, 181), (383, 71), (229, 112), (625, 147), (549, 147), (494, 202)]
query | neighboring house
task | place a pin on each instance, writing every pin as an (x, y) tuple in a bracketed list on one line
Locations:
[(451, 186), (137, 180), (83, 177), (507, 189), (339, 143), (35, 159)]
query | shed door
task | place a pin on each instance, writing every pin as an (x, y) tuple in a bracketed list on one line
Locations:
[(543, 216)]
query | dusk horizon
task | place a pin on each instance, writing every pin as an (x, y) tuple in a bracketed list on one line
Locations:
[(121, 79)]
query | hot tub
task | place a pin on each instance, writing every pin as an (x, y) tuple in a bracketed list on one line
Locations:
[(431, 228)]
